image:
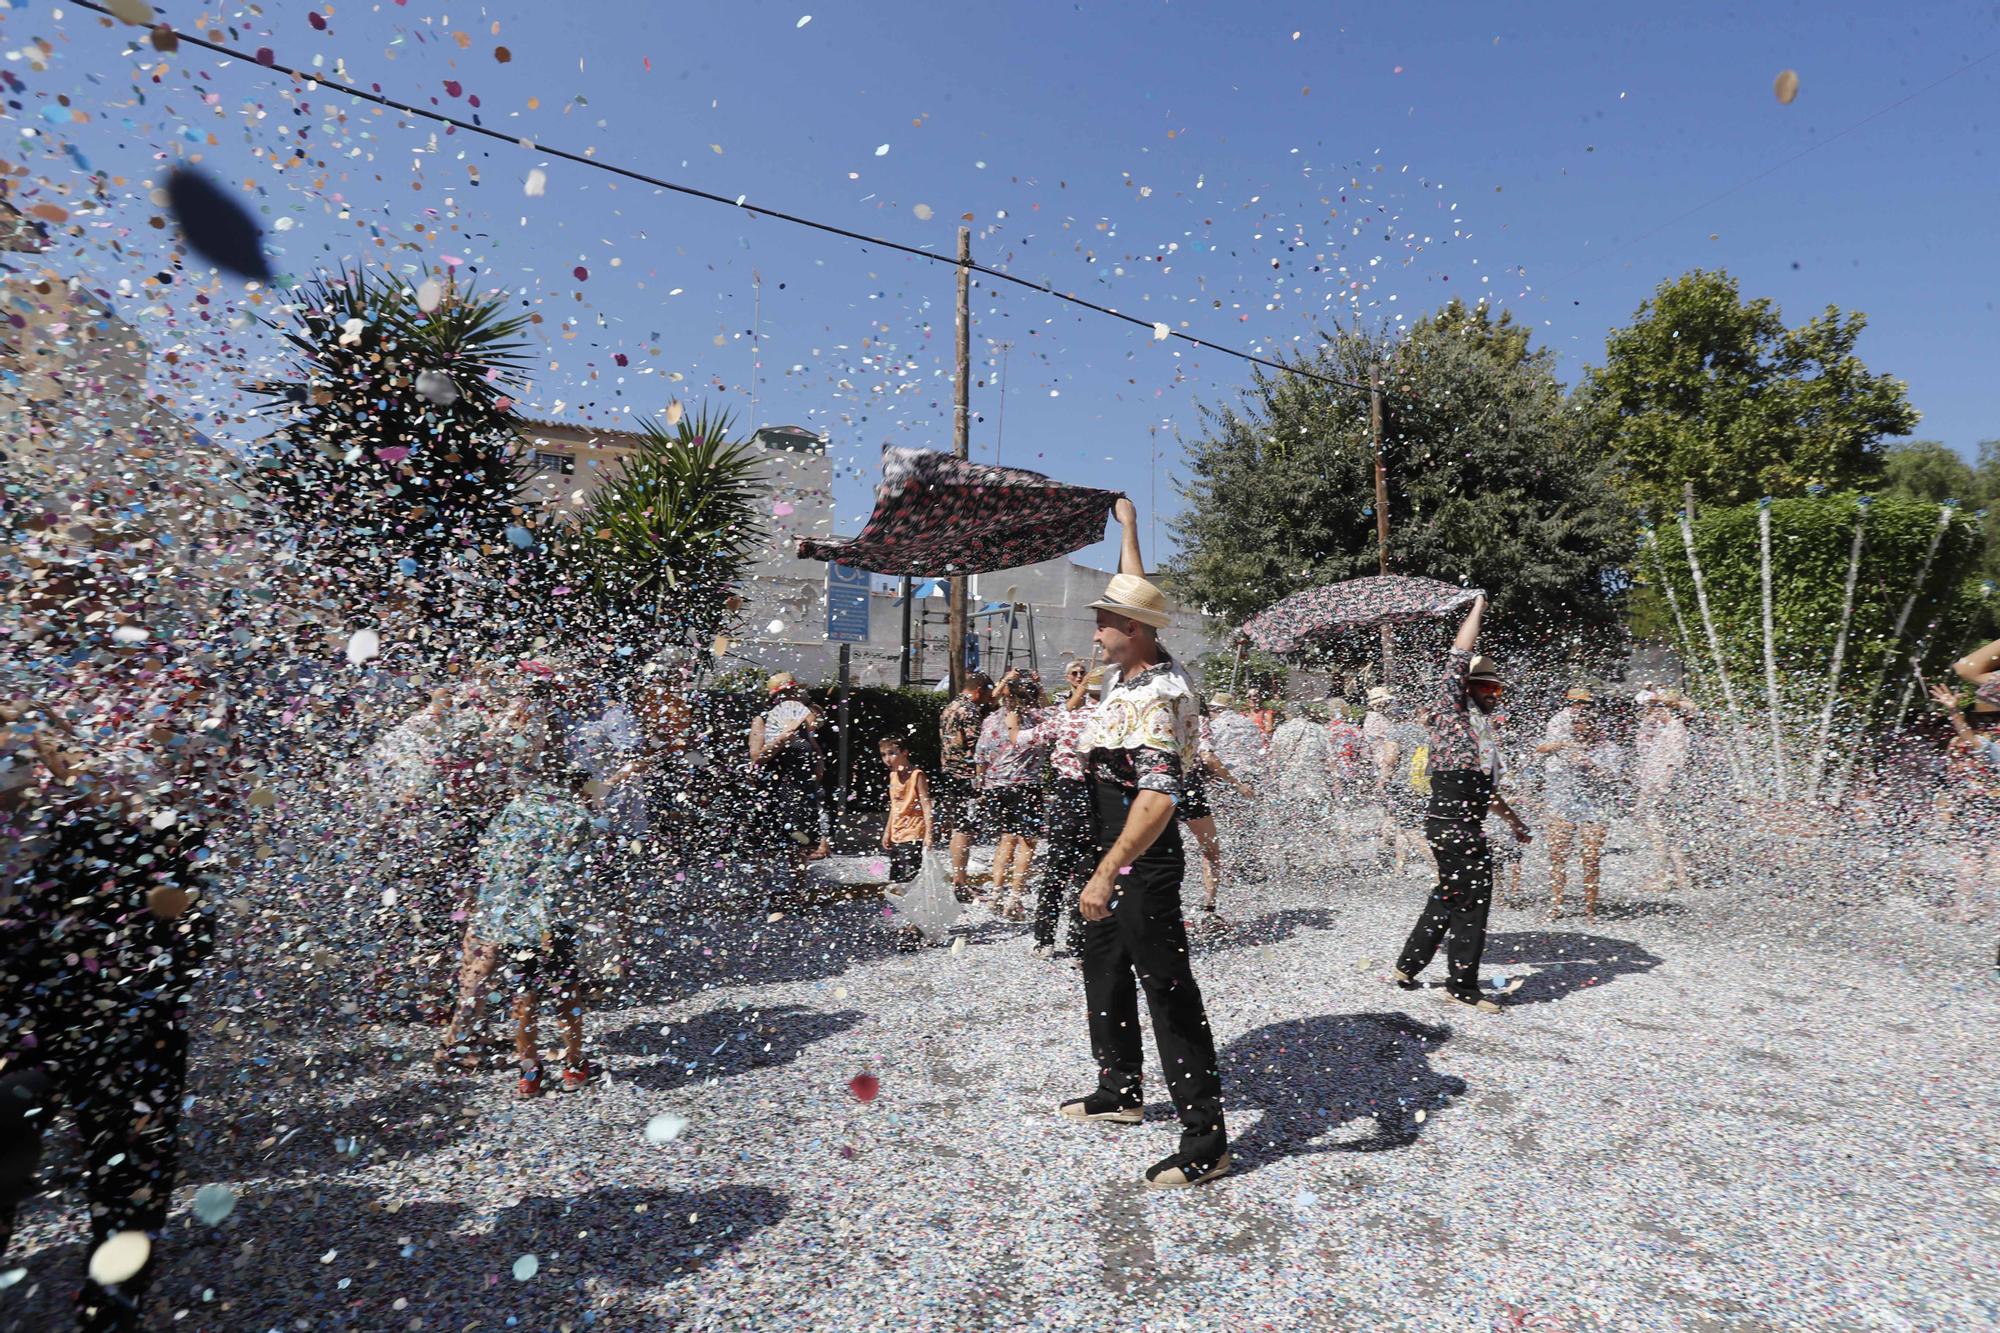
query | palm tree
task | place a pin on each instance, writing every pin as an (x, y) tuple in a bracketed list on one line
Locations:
[(395, 447), (658, 552)]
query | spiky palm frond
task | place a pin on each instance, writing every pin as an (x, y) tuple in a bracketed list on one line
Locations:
[(663, 543), (396, 425)]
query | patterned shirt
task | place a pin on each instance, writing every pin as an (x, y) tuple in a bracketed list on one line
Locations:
[(527, 857), (1143, 735), (958, 736), (1460, 737), (1019, 761), (1063, 727)]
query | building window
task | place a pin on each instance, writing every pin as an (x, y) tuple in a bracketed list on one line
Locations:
[(548, 462)]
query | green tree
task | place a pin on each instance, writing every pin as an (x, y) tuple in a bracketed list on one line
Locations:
[(1706, 388), (1811, 542), (656, 555), (1493, 479), (1927, 470), (395, 442)]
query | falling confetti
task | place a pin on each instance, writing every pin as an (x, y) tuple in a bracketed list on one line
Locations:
[(216, 227), (120, 1257), (362, 646), (864, 1087), (665, 1128), (536, 184), (213, 1203), (526, 1267), (1786, 86)]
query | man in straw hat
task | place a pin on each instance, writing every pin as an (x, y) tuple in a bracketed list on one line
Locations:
[(1463, 761), (1138, 751)]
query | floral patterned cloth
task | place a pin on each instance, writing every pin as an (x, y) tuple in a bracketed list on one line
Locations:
[(937, 515), (1460, 738), (1144, 734), (1306, 620), (958, 736), (1020, 761), (528, 859), (1064, 726)]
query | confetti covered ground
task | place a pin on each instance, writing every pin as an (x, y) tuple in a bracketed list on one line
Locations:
[(1702, 1111)]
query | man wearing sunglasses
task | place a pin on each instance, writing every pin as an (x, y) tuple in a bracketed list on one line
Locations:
[(1463, 764)]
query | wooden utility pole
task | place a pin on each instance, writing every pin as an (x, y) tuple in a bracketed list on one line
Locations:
[(961, 443), (1381, 498)]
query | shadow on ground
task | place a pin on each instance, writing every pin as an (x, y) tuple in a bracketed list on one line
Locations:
[(690, 955), (1270, 928), (718, 1043), (1563, 962), (1306, 1078), (334, 1255)]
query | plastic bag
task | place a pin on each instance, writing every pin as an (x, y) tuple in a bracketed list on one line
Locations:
[(928, 902)]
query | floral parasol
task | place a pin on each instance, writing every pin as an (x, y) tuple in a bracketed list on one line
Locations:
[(937, 515), (1313, 618)]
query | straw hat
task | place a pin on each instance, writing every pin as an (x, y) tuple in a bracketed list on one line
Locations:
[(1380, 694), (1483, 668), (1580, 694), (779, 683), (1224, 701), (1134, 598)]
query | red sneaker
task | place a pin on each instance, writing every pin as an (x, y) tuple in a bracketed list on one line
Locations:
[(531, 1083), (576, 1076)]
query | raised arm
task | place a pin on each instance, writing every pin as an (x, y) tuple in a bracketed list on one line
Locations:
[(1974, 666), (1128, 544), (1468, 631)]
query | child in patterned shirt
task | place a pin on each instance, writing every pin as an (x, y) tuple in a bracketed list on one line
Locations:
[(530, 860)]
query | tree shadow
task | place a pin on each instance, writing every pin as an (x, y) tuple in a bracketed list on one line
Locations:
[(1270, 928), (338, 1256), (421, 1117), (1563, 962), (719, 1043), (1637, 908), (1310, 1076), (691, 954)]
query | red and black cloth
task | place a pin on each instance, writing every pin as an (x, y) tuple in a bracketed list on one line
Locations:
[(939, 515)]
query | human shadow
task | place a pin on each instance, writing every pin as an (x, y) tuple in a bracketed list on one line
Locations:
[(691, 954), (719, 1043), (1308, 1077), (1561, 962), (1270, 928), (420, 1117)]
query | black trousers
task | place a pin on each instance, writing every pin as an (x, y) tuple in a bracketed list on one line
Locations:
[(906, 861), (1144, 943), (1072, 856), (108, 1042), (131, 1155), (1458, 905)]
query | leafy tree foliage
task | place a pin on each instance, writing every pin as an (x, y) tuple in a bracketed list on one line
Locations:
[(394, 451), (1493, 480), (1706, 388), (657, 553)]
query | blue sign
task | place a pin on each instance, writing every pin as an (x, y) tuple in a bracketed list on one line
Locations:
[(847, 604)]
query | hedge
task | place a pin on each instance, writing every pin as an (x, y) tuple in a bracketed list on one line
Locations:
[(1811, 539), (874, 712)]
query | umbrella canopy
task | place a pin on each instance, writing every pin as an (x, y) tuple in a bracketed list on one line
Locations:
[(1313, 618), (937, 515)]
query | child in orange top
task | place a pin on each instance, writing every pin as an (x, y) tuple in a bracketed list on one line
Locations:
[(908, 831)]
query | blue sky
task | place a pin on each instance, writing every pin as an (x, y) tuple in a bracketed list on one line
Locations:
[(1557, 159)]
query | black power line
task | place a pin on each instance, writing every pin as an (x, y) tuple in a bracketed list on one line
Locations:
[(711, 197)]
